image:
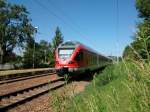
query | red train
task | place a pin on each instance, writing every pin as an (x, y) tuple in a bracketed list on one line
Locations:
[(75, 58)]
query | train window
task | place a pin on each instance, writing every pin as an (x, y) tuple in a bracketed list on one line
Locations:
[(68, 44), (65, 53)]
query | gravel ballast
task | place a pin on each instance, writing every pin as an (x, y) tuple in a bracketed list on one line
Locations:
[(10, 87), (43, 103)]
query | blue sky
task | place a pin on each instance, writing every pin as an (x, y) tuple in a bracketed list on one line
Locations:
[(100, 24)]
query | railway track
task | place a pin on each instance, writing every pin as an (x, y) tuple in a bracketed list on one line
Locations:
[(18, 97), (12, 76), (24, 78)]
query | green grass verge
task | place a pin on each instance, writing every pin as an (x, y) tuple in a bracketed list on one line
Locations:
[(122, 87)]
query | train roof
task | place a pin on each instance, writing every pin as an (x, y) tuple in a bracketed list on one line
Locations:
[(69, 44)]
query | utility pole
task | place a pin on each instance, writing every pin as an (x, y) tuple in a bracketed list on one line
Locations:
[(45, 56), (34, 47), (1, 51)]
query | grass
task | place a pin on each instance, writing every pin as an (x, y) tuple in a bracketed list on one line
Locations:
[(121, 87)]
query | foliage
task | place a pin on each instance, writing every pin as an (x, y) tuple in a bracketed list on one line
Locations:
[(140, 47), (16, 31), (39, 56), (128, 53), (58, 39), (143, 7), (15, 28), (44, 52), (122, 87)]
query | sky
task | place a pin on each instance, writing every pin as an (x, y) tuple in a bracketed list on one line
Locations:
[(106, 26)]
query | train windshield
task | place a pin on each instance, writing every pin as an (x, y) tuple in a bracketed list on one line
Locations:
[(65, 53)]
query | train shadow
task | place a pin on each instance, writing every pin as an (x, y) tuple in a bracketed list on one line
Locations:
[(87, 76)]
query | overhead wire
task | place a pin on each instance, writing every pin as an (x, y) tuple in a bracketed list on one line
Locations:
[(117, 27), (63, 21), (64, 14)]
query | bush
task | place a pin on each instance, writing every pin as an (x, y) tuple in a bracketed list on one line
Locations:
[(120, 87)]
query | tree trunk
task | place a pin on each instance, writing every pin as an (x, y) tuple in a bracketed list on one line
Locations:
[(1, 55)]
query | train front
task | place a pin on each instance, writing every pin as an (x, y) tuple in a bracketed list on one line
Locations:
[(65, 58)]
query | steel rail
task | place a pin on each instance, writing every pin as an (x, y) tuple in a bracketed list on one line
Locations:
[(25, 74), (42, 89), (27, 89), (25, 78)]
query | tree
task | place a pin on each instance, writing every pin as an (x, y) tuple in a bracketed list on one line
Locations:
[(28, 54), (45, 50), (142, 40), (58, 39), (42, 53), (15, 28), (143, 7), (141, 44), (128, 52)]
